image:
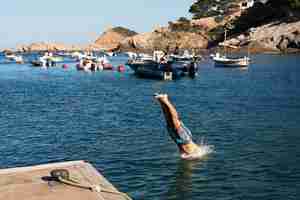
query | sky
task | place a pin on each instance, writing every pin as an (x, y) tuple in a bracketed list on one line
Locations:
[(81, 21)]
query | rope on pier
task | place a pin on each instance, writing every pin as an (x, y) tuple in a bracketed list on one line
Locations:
[(63, 176)]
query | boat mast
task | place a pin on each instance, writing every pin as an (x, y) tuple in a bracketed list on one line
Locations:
[(225, 38), (250, 39)]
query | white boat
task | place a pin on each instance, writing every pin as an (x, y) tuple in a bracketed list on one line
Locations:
[(226, 61), (139, 56), (47, 60), (147, 57), (110, 53), (94, 64), (12, 57), (131, 55), (78, 55), (19, 59)]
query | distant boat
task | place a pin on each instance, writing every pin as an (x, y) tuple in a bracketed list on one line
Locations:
[(94, 64), (48, 60), (79, 55), (226, 61), (110, 53), (15, 58)]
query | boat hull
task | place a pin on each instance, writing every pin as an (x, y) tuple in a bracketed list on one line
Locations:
[(153, 70), (232, 63)]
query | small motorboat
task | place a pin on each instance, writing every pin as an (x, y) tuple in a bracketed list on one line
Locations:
[(48, 60), (224, 61), (155, 70), (15, 58), (94, 64), (163, 67), (89, 65)]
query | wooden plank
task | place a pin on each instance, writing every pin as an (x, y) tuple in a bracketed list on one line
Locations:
[(34, 183)]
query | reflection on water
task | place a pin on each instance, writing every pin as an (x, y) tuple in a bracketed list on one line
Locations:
[(181, 186)]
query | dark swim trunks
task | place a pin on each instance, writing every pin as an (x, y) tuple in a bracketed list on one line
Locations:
[(181, 136)]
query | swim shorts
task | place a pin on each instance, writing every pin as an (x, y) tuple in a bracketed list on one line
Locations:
[(181, 136)]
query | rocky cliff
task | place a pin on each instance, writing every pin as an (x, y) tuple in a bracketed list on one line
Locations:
[(49, 46), (278, 36), (165, 39), (161, 38), (111, 39), (274, 37)]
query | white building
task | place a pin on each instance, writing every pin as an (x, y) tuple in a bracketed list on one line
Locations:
[(249, 3), (246, 4)]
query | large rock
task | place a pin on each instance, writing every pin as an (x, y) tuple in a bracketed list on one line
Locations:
[(162, 39), (278, 37), (207, 23), (43, 46), (140, 41), (112, 38), (7, 51)]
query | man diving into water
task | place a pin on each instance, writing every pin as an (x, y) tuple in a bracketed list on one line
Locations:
[(178, 132)]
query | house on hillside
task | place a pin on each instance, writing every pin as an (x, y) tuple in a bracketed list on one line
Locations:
[(246, 4), (250, 3)]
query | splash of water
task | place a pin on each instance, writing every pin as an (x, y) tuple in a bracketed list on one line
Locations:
[(203, 150)]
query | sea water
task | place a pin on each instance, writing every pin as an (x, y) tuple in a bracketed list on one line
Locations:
[(111, 119)]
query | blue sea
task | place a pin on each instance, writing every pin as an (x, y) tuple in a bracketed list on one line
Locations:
[(251, 117)]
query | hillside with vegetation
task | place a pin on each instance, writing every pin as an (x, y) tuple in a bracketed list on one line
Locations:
[(278, 18)]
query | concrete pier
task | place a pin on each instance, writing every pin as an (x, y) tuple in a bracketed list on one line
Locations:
[(36, 183)]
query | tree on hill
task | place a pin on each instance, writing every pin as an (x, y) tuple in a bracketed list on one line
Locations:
[(294, 3), (123, 31), (208, 8), (272, 11)]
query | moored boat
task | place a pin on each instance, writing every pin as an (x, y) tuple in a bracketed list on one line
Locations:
[(15, 58), (155, 70), (224, 61), (94, 64), (47, 60), (161, 66)]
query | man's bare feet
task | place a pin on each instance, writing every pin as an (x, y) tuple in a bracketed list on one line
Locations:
[(161, 96)]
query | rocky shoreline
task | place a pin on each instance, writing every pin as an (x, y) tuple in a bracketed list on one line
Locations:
[(273, 37)]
